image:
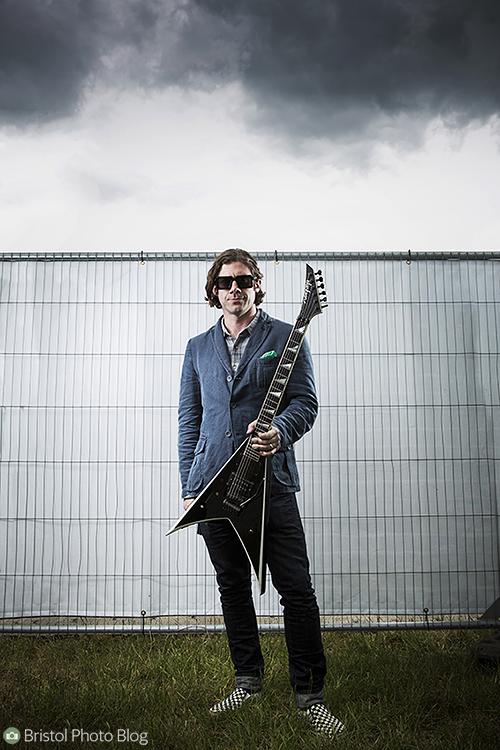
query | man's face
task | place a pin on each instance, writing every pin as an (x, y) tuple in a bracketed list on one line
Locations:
[(236, 301)]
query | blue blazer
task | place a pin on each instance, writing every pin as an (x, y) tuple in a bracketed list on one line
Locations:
[(216, 405)]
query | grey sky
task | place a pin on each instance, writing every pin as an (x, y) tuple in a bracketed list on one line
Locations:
[(290, 124), (315, 68)]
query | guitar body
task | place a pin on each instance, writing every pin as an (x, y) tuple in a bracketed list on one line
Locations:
[(239, 494)]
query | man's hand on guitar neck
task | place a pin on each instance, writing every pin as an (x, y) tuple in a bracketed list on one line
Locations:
[(267, 443)]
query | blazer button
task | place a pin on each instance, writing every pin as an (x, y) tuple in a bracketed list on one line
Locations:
[(233, 405), (228, 434), (229, 378)]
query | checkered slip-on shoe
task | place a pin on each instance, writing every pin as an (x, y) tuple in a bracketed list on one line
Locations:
[(237, 698), (322, 721)]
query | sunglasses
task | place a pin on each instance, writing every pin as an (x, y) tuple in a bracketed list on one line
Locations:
[(226, 282)]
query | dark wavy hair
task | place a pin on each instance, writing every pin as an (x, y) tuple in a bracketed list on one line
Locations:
[(233, 255)]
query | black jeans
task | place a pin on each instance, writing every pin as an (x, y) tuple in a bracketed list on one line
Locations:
[(289, 567)]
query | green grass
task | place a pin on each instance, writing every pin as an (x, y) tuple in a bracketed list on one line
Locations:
[(394, 691)]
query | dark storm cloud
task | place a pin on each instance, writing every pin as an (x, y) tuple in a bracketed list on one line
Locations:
[(313, 67), (341, 63), (394, 53), (43, 58), (52, 50)]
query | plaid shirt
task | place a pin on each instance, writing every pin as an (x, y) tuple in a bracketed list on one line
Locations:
[(236, 347)]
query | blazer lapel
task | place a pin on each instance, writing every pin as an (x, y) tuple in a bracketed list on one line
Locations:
[(257, 338), (221, 348)]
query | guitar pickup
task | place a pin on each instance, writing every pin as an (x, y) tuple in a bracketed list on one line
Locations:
[(239, 492)]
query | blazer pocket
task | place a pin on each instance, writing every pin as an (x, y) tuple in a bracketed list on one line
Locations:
[(200, 445), (263, 371), (196, 472)]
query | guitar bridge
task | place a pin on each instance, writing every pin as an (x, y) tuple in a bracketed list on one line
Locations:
[(232, 507)]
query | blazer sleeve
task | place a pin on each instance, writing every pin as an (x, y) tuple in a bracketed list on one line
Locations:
[(300, 409), (189, 415)]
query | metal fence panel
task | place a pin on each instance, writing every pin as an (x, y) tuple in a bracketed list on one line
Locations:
[(400, 474)]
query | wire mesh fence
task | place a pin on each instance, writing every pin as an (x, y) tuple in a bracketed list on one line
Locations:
[(400, 474)]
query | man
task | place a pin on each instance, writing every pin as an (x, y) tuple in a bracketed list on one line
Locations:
[(225, 377)]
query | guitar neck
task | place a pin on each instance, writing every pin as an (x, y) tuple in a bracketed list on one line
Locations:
[(281, 376)]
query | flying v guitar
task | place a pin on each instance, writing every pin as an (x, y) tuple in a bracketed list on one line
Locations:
[(240, 489)]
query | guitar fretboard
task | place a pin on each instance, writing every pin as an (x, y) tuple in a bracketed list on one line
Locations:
[(278, 384)]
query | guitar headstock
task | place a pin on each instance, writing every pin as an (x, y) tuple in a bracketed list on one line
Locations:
[(314, 300)]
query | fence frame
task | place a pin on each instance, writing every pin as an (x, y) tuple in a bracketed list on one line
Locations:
[(175, 623)]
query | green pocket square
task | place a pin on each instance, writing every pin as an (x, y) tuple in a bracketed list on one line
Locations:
[(272, 353)]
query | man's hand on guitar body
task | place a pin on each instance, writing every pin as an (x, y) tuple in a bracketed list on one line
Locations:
[(267, 443)]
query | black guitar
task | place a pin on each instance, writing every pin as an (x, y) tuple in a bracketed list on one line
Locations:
[(239, 491)]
